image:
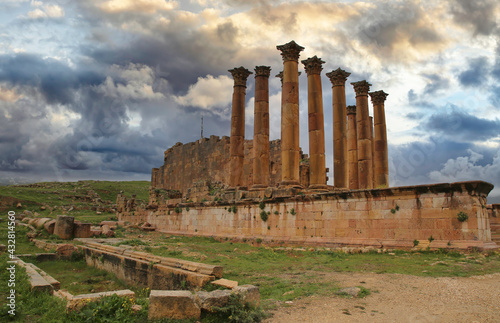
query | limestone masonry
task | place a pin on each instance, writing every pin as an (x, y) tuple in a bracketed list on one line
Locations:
[(270, 191)]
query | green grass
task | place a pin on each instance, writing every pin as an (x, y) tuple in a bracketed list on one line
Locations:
[(285, 275), (80, 195), (78, 278)]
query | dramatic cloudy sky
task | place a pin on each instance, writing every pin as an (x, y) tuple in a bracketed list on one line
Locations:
[(99, 89)]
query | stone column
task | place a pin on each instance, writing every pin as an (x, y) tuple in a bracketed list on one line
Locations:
[(290, 154), (340, 160), (380, 157), (352, 148), (237, 153), (373, 149), (363, 132), (261, 128), (317, 167)]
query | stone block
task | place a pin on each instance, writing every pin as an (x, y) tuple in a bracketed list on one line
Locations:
[(249, 293), (208, 300), (106, 230), (225, 283), (65, 250), (64, 226), (82, 230), (173, 305), (49, 226)]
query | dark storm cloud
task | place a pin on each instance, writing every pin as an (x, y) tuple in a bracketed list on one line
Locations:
[(463, 126), (390, 23), (412, 162), (55, 80), (437, 82), (476, 73), (478, 14)]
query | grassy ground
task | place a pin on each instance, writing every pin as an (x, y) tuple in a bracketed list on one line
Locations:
[(82, 196), (282, 274), (285, 274)]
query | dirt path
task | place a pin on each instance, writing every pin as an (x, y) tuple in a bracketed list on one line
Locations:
[(401, 298)]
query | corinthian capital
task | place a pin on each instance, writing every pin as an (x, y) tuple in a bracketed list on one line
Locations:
[(290, 51), (361, 87), (378, 97), (313, 65), (351, 109), (262, 71), (338, 76), (240, 75)]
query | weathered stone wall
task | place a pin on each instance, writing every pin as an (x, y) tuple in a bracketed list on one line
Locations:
[(208, 160), (379, 217)]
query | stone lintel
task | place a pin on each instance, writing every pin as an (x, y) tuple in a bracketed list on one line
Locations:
[(313, 65), (240, 75), (378, 97), (361, 87), (351, 109), (338, 76), (262, 71), (290, 51)]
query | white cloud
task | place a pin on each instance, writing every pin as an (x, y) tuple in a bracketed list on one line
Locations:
[(144, 6), (208, 93), (133, 82), (46, 11), (9, 95), (466, 169)]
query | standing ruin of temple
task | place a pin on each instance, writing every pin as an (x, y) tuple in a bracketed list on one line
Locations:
[(272, 191)]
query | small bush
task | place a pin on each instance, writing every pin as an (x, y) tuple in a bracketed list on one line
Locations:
[(262, 205), (235, 312), (415, 242), (292, 211), (259, 240), (187, 208), (276, 213), (462, 216), (430, 239), (178, 210), (263, 215), (393, 211)]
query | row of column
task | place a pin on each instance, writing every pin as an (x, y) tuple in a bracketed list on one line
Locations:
[(360, 145)]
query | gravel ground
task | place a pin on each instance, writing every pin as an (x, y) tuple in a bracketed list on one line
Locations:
[(401, 298)]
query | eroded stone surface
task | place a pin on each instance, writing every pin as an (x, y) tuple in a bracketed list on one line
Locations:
[(173, 304)]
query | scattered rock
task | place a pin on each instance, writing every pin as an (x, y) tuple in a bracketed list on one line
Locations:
[(106, 230), (19, 205), (216, 298), (64, 226), (351, 291), (250, 294), (173, 304)]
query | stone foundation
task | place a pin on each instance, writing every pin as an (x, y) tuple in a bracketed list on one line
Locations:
[(387, 217)]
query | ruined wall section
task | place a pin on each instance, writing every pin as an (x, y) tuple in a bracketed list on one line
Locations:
[(208, 160)]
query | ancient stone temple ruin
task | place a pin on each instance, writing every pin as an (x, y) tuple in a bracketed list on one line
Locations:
[(271, 191)]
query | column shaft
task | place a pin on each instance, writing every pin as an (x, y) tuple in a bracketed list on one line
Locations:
[(237, 139), (340, 158), (261, 128), (290, 150), (381, 157), (363, 132), (373, 150), (352, 147), (317, 167)]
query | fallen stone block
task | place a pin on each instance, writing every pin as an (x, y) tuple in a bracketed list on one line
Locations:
[(49, 226), (51, 280), (65, 250), (82, 230), (39, 223), (173, 304), (249, 293), (77, 302), (63, 294), (106, 230), (64, 227), (208, 300), (37, 282), (225, 283)]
